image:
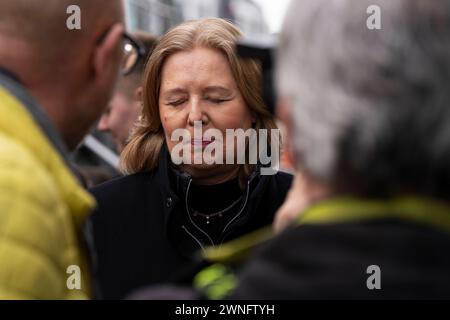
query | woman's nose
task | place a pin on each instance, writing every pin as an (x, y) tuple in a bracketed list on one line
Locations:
[(196, 113)]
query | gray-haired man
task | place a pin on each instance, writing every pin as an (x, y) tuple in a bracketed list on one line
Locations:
[(368, 115)]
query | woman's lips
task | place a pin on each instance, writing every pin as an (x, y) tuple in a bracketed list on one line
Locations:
[(201, 143)]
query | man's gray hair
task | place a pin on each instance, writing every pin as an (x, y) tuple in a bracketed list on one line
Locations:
[(369, 105)]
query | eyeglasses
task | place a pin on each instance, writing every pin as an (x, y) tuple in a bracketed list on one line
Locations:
[(134, 52)]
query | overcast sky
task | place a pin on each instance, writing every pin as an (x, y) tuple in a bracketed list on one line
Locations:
[(274, 11)]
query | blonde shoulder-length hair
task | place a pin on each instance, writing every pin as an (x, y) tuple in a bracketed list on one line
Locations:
[(142, 151)]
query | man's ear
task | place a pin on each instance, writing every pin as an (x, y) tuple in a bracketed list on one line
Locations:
[(283, 113), (103, 123), (107, 52)]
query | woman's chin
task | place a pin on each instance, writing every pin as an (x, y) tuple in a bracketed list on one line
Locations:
[(211, 173)]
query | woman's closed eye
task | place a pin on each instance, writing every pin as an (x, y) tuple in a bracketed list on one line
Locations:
[(175, 103), (217, 100)]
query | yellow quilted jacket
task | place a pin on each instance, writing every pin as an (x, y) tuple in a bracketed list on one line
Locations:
[(42, 208)]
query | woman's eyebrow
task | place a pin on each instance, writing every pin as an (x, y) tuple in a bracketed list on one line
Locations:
[(217, 89), (172, 92)]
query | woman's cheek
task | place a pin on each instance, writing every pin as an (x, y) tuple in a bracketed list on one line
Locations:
[(166, 126)]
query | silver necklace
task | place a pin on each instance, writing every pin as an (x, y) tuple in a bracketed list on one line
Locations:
[(218, 214)]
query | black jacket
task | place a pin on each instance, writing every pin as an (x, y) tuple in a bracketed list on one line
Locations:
[(330, 260), (141, 233)]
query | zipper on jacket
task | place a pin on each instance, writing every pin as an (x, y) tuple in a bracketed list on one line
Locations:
[(193, 237), (242, 209), (187, 211), (240, 212)]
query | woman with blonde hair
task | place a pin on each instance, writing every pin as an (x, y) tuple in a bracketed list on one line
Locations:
[(150, 223)]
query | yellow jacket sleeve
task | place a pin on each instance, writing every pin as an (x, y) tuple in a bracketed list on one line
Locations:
[(37, 242)]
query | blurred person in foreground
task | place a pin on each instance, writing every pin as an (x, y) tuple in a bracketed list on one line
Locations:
[(368, 114), (151, 223), (126, 104), (54, 84)]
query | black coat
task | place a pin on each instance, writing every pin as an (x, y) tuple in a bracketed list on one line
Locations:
[(141, 234), (331, 260)]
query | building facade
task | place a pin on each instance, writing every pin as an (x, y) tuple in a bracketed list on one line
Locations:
[(157, 16)]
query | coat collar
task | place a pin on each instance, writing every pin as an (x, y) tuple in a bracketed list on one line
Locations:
[(414, 208), (174, 187)]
